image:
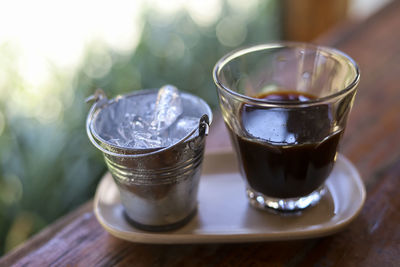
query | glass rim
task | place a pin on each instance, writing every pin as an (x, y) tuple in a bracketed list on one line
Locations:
[(263, 102)]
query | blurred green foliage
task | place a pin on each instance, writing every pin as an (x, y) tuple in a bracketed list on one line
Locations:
[(49, 167)]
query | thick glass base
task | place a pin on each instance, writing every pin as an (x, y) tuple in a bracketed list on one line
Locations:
[(264, 202)]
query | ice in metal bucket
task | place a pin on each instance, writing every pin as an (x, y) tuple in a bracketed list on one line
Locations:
[(167, 109), (147, 123), (158, 188)]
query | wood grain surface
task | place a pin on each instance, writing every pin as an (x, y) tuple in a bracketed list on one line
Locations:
[(371, 142)]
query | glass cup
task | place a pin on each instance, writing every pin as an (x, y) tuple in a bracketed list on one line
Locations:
[(286, 106)]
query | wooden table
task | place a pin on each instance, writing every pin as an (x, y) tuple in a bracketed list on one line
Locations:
[(371, 142)]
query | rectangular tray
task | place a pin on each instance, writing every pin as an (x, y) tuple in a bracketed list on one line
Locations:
[(224, 214)]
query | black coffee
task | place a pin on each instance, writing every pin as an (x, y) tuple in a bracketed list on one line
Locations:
[(286, 153)]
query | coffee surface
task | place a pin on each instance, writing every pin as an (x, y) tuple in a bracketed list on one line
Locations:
[(286, 152)]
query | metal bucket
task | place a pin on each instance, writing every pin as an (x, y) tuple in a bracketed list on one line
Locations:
[(158, 187)]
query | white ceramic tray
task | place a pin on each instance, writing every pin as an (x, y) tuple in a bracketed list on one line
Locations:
[(224, 214)]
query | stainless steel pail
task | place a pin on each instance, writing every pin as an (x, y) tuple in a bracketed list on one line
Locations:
[(158, 187)]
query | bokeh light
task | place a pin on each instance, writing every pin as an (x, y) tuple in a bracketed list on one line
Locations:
[(53, 54)]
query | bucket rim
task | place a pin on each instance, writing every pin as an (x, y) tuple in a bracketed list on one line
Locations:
[(204, 122)]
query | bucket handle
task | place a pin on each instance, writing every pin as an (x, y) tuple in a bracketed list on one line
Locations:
[(100, 99)]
